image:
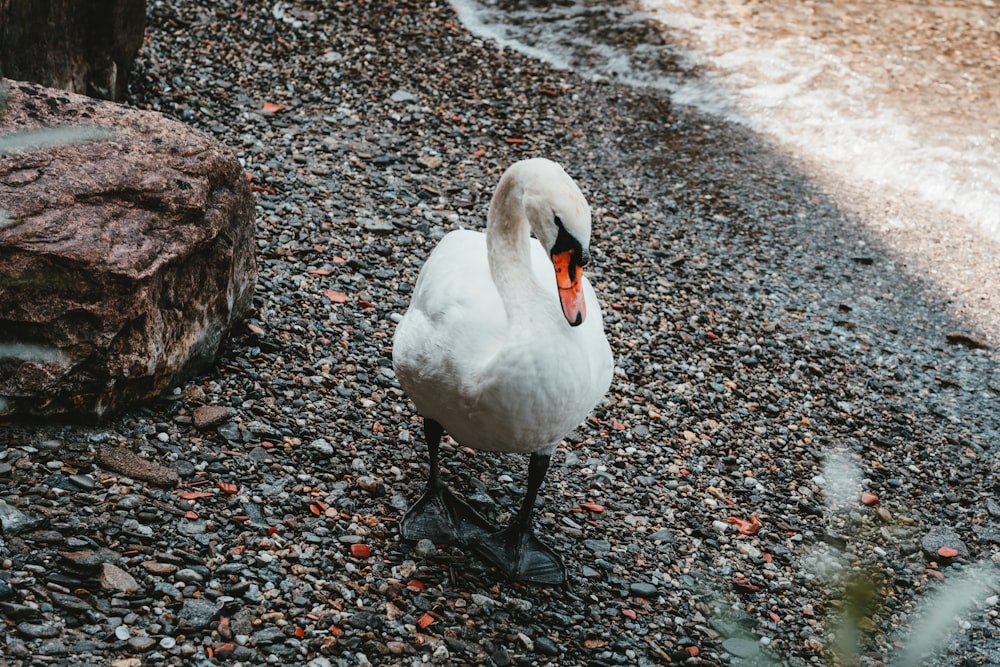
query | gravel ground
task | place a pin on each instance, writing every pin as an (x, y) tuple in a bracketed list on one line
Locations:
[(792, 408)]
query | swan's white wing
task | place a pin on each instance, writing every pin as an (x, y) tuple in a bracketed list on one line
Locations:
[(455, 322)]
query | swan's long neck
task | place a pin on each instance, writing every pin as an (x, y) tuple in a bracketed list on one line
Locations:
[(508, 244)]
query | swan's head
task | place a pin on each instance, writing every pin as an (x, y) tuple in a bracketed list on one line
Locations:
[(560, 219)]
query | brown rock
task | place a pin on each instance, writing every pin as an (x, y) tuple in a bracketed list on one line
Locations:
[(161, 569), (210, 416), (82, 46), (113, 578), (124, 461), (123, 262)]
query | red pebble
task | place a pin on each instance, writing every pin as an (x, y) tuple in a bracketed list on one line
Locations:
[(361, 550)]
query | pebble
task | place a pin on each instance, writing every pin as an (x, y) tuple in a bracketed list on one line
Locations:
[(940, 538), (749, 345), (14, 521), (642, 590), (86, 482), (113, 578), (205, 417), (141, 644), (425, 549), (37, 630), (198, 613)]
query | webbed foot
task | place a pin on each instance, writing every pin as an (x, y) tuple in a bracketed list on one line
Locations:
[(443, 518), (522, 557)]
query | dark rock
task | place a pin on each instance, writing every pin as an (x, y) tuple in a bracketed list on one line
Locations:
[(70, 602), (987, 534), (198, 613), (546, 646), (993, 507), (86, 482), (642, 590), (124, 262), (52, 647), (14, 610), (662, 535), (501, 657), (37, 630), (86, 561), (598, 546), (939, 537), (82, 47), (14, 521)]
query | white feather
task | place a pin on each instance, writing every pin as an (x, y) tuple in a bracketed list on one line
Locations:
[(486, 351)]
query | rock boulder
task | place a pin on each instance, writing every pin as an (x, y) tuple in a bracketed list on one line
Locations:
[(124, 261)]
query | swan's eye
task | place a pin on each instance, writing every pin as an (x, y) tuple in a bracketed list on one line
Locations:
[(567, 242)]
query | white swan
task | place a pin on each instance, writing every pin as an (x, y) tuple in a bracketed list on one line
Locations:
[(503, 347)]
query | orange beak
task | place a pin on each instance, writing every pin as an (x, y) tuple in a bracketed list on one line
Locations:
[(569, 279)]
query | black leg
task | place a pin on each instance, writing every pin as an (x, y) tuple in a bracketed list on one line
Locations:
[(432, 434), (439, 515), (538, 465)]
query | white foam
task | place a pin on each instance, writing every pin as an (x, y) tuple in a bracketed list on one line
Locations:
[(802, 94), (793, 89)]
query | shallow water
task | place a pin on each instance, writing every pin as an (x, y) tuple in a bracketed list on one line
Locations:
[(897, 100)]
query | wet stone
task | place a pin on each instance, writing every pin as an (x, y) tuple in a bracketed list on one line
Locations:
[(12, 610), (140, 644), (662, 535), (52, 647), (643, 590), (13, 521), (546, 646), (198, 613), (48, 537), (37, 630), (940, 537), (70, 602), (86, 482), (86, 560), (269, 635), (598, 546), (129, 502)]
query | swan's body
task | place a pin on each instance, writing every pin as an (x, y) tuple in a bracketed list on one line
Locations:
[(496, 349), (513, 384)]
